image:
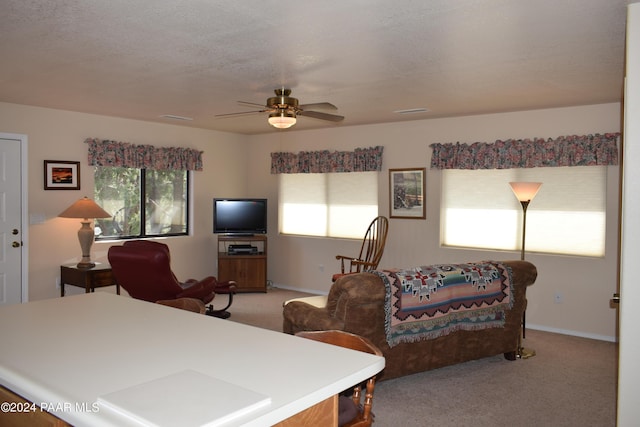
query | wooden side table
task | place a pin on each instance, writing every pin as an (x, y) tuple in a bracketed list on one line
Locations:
[(87, 278)]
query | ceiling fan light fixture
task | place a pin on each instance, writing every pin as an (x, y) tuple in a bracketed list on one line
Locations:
[(282, 119)]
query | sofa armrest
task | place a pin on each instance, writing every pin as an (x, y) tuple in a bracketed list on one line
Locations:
[(361, 288), (299, 316), (524, 273), (355, 304)]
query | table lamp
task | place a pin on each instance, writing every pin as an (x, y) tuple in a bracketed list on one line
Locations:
[(525, 192), (85, 208)]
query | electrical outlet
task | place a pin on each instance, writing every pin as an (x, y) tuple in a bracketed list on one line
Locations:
[(558, 298), (321, 268)]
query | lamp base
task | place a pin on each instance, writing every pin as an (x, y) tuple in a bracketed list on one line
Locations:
[(86, 265), (86, 236), (525, 353)]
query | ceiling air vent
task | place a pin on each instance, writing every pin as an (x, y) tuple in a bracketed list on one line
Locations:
[(172, 117), (412, 111)]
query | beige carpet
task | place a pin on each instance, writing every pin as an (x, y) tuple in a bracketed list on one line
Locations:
[(570, 382)]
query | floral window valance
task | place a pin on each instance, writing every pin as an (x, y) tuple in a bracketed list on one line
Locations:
[(587, 150), (359, 160), (124, 154)]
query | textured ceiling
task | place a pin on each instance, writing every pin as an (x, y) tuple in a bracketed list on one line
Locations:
[(196, 58)]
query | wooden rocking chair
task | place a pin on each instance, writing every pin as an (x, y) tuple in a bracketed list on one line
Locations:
[(370, 252)]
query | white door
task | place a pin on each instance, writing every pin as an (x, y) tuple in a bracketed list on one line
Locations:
[(628, 372), (12, 238)]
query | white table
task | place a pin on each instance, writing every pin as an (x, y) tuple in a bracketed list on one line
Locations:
[(69, 352)]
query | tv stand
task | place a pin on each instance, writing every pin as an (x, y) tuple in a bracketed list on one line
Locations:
[(243, 258)]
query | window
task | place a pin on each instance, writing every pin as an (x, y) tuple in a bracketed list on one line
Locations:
[(328, 204), (567, 216), (144, 203)]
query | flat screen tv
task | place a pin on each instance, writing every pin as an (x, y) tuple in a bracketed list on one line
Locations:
[(240, 216)]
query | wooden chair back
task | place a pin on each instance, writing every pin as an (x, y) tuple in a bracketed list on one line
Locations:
[(364, 418), (371, 250)]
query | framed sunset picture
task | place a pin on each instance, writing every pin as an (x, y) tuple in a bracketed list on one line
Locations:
[(61, 175)]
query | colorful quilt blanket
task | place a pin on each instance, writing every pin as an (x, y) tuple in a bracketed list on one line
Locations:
[(431, 301)]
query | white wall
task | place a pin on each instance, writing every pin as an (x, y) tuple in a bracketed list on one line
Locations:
[(586, 283), (60, 135), (238, 165)]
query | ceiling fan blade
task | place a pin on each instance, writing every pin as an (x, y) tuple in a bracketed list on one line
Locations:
[(242, 113), (320, 105), (321, 116), (251, 104)]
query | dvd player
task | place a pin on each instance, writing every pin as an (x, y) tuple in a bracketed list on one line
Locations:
[(242, 249)]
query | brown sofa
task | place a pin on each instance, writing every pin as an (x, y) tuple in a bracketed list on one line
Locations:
[(356, 304)]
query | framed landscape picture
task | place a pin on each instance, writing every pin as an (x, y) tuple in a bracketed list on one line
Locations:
[(406, 198), (61, 175)]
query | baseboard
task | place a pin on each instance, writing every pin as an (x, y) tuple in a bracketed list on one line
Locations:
[(572, 333)]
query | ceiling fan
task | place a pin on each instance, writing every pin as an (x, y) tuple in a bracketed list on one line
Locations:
[(283, 110)]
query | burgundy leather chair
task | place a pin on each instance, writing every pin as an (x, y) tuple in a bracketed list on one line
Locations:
[(143, 269)]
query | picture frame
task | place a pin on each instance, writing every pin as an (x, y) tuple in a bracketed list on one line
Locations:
[(407, 193), (61, 175)]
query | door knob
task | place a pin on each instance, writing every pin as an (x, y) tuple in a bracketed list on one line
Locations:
[(16, 244)]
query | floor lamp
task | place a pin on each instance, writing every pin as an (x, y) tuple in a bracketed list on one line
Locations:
[(525, 192), (85, 208)]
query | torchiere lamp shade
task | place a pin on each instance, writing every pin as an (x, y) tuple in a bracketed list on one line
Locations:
[(525, 191), (85, 208)]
